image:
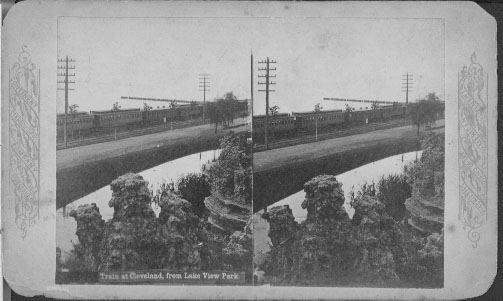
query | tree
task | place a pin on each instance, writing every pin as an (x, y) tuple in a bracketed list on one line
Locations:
[(425, 111), (274, 115), (172, 104), (317, 109), (73, 111), (116, 107), (230, 175), (229, 107), (214, 113), (347, 113), (432, 108), (274, 111), (146, 107), (349, 109), (223, 110), (194, 188)]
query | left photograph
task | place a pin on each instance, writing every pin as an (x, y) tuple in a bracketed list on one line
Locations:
[(154, 153)]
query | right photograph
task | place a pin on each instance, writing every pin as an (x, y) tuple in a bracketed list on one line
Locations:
[(348, 154)]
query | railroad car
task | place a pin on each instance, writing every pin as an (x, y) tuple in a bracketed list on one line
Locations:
[(108, 119), (279, 126), (157, 116), (358, 116), (306, 121), (392, 111), (80, 121), (309, 120), (374, 114), (189, 111)]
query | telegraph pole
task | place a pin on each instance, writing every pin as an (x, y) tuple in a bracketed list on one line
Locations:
[(251, 87), (267, 83), (204, 81), (64, 75), (407, 85)]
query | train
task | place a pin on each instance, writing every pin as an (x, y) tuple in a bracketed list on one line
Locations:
[(99, 121), (291, 124)]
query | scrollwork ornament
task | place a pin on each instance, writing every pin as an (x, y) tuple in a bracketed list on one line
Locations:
[(472, 155), (24, 139)]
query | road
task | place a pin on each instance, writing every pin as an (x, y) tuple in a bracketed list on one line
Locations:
[(71, 157), (271, 159)]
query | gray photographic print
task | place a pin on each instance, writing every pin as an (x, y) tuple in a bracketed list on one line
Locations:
[(360, 148), (153, 154), (349, 155)]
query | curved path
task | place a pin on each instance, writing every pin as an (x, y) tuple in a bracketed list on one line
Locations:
[(75, 156), (82, 170), (280, 172), (271, 159)]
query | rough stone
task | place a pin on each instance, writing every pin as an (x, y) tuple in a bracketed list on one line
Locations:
[(329, 248), (324, 199), (238, 251), (227, 215), (130, 197), (90, 226), (426, 205), (230, 204), (128, 235), (178, 231), (282, 224)]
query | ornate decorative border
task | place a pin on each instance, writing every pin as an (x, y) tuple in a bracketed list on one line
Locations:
[(473, 139), (24, 139)]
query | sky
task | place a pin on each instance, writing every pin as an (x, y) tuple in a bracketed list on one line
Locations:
[(356, 58)]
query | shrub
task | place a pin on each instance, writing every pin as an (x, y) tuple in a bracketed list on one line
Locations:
[(392, 191), (194, 188), (230, 176), (426, 174)]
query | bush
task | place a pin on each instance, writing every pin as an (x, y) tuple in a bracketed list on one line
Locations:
[(194, 188), (392, 191), (231, 176), (426, 176)]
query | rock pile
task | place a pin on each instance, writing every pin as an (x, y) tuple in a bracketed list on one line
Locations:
[(90, 226), (238, 251), (377, 242), (136, 239), (425, 215), (328, 248), (282, 224), (178, 234), (128, 237), (227, 215), (426, 205), (230, 205), (324, 200)]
